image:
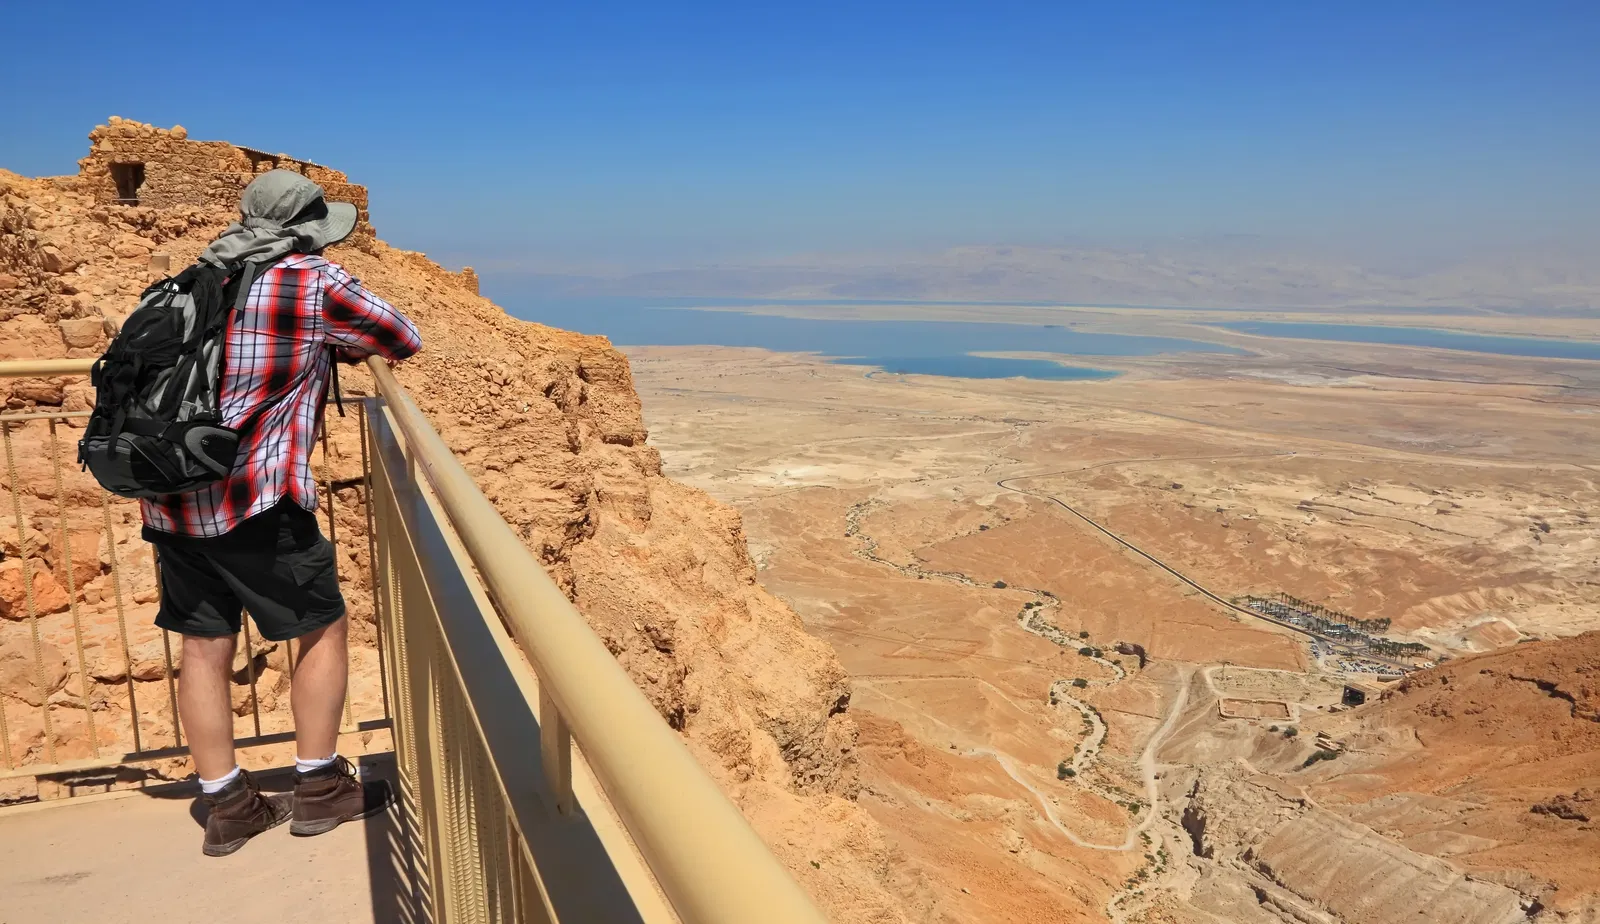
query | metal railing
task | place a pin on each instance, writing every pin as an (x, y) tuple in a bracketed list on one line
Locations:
[(516, 828), (88, 693), (537, 782)]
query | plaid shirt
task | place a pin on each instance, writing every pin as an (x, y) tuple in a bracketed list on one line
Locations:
[(276, 369)]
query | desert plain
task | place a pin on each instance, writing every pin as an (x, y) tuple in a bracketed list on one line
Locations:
[(1036, 586)]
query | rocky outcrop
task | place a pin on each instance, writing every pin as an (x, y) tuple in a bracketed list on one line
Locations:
[(1519, 691), (1465, 794), (1579, 806), (1503, 748), (1313, 865)]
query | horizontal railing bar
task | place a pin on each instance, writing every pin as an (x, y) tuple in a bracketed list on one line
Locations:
[(35, 368), (48, 415), (709, 861), (134, 757)]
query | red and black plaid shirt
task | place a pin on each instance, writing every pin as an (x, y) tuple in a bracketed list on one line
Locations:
[(275, 371)]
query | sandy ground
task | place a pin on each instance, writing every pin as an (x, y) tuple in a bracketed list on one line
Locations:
[(919, 523)]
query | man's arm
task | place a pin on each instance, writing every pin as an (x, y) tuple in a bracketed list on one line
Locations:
[(362, 324)]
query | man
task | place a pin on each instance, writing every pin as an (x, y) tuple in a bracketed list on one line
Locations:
[(251, 541)]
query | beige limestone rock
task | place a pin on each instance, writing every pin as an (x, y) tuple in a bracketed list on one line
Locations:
[(82, 332), (21, 671), (85, 548), (77, 397), (39, 391), (150, 669), (131, 247), (48, 597), (57, 260), (33, 542)]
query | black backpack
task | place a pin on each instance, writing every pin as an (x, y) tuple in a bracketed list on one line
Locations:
[(157, 424)]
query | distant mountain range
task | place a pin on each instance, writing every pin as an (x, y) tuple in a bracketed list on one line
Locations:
[(1215, 274)]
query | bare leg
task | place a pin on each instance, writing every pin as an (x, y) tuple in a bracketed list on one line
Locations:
[(318, 692), (204, 703)]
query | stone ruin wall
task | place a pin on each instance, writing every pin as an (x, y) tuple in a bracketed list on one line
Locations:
[(178, 171)]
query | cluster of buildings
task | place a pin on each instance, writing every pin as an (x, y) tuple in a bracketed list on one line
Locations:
[(1333, 638)]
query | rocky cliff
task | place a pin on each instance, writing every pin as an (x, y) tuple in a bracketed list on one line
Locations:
[(1467, 793), (548, 422), (1312, 865), (1492, 760)]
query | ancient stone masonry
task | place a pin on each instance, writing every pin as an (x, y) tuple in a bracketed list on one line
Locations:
[(132, 163)]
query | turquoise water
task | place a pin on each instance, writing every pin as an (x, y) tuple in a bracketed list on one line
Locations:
[(978, 367), (1424, 337), (920, 347)]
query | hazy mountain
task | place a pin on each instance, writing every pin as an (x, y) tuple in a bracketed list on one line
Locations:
[(1243, 272)]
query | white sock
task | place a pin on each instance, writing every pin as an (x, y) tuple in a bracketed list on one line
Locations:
[(301, 765), (211, 787)]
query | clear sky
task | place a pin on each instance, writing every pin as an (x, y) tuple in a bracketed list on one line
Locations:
[(641, 134)]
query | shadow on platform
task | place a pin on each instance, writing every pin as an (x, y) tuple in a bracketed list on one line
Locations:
[(136, 857)]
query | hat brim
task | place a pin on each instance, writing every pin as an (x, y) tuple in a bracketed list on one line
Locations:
[(336, 227)]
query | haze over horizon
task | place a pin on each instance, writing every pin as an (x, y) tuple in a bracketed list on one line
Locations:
[(1154, 153)]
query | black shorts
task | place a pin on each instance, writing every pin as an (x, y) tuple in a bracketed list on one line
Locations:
[(275, 564)]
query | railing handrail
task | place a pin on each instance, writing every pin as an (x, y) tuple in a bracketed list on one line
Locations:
[(710, 863), (35, 368)]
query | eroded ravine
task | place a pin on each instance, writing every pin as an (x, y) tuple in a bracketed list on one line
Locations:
[(1085, 772)]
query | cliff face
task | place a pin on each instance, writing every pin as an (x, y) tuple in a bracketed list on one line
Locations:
[(549, 424), (1493, 760), (1468, 793), (1310, 864)]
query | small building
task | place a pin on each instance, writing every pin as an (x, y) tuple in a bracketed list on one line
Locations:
[(135, 164), (1357, 692)]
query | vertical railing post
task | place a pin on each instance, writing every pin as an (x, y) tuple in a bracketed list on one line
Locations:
[(368, 495), (166, 654), (333, 537), (250, 672), (122, 617), (555, 750), (27, 588), (72, 589)]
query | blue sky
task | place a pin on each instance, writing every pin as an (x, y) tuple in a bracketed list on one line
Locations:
[(651, 134)]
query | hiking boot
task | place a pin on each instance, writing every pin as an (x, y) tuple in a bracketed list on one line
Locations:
[(329, 796), (239, 812)]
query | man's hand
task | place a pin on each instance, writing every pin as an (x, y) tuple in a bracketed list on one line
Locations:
[(356, 357)]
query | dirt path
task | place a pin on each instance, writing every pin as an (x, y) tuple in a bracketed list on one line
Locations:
[(1157, 837), (1147, 766), (1032, 619)]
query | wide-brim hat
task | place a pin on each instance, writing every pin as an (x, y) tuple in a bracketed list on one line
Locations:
[(285, 200)]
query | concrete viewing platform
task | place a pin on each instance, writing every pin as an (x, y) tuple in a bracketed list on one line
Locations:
[(134, 857)]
